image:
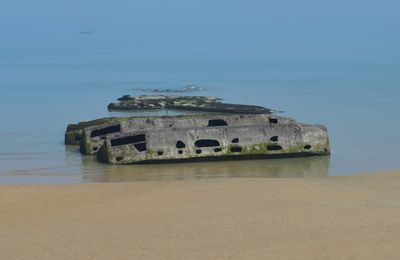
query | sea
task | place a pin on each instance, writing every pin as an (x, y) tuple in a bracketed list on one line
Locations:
[(356, 97)]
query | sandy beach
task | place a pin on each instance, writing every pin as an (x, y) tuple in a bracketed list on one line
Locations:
[(349, 217)]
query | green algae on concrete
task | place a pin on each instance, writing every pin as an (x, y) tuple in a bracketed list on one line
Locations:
[(74, 132), (194, 103), (93, 136), (210, 105), (228, 131), (218, 142)]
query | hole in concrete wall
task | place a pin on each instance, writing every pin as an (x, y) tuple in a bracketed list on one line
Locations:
[(95, 149), (217, 122), (206, 143), (180, 151), (198, 151), (180, 144), (235, 140), (274, 138), (106, 130), (326, 150), (128, 140), (307, 147), (217, 150), (119, 158), (141, 147), (274, 147), (159, 153), (236, 149), (273, 120)]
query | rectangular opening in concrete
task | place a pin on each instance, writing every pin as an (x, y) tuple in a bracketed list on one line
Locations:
[(106, 130), (128, 140), (217, 122), (207, 143), (141, 147), (273, 121)]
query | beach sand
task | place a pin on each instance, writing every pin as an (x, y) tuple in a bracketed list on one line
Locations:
[(348, 217)]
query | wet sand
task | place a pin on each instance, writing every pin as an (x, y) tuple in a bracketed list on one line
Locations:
[(352, 217)]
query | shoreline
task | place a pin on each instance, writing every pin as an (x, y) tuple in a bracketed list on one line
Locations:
[(356, 217)]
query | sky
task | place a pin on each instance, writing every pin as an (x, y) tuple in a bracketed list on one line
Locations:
[(150, 28)]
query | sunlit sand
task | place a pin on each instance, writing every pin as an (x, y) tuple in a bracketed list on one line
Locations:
[(354, 217)]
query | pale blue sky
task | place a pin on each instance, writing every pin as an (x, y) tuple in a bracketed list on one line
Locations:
[(203, 27)]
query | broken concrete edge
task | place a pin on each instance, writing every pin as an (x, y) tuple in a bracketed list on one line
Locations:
[(74, 132)]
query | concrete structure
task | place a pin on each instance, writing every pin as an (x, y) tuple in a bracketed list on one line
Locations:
[(266, 137), (74, 132), (196, 103), (93, 136)]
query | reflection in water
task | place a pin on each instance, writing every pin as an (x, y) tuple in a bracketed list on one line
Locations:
[(72, 167), (293, 167)]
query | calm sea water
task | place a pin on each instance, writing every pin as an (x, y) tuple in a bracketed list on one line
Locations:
[(357, 99)]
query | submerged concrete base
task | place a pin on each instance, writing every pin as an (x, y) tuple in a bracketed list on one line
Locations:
[(232, 158)]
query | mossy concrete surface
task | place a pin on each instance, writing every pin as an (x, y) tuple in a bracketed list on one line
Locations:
[(269, 137), (93, 136), (196, 103), (228, 131), (74, 132)]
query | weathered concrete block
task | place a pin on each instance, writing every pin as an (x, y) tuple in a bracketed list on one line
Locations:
[(196, 103), (93, 136), (270, 137), (74, 132)]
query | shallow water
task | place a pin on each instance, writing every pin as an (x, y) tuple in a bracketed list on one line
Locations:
[(358, 100)]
